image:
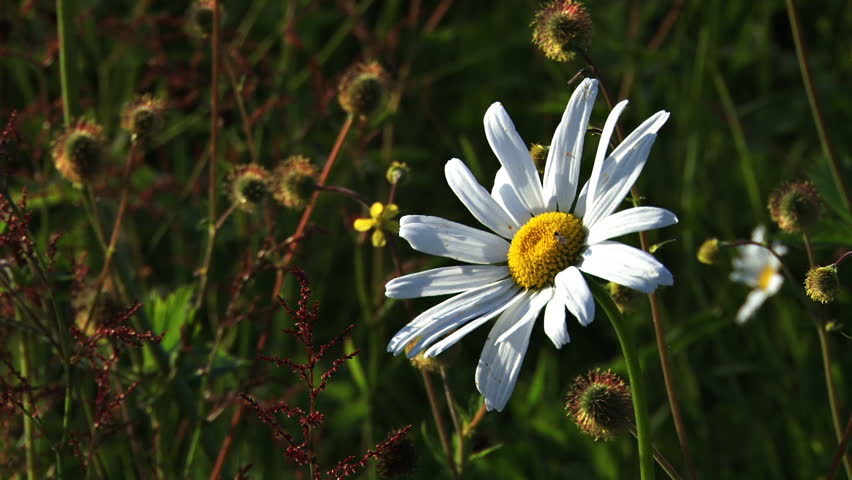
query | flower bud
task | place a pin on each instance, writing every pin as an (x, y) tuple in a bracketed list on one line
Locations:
[(708, 253), (143, 118), (294, 182), (398, 173), (795, 206), (600, 404), (249, 186), (625, 298), (561, 29), (539, 156), (78, 153), (362, 88), (201, 17), (822, 284)]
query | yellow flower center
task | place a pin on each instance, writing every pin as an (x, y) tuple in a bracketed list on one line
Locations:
[(546, 245), (765, 277)]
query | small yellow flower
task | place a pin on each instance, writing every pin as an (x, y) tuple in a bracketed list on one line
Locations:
[(381, 221)]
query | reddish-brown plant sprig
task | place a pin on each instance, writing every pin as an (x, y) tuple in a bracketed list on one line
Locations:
[(351, 466), (16, 237)]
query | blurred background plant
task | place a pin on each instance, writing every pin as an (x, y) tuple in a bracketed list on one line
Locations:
[(138, 293)]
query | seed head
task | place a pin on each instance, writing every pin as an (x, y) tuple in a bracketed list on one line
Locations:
[(143, 118), (625, 298), (200, 17), (708, 253), (78, 152), (561, 29), (398, 459), (822, 284), (795, 206), (362, 88), (600, 404), (294, 181), (249, 186), (398, 173)]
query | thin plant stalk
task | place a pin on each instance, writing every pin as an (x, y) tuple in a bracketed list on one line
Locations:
[(813, 101), (656, 314), (825, 350), (451, 405), (841, 449), (204, 272), (662, 461), (474, 422), (29, 437), (637, 386), (69, 98)]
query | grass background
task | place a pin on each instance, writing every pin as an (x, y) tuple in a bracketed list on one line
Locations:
[(753, 396)]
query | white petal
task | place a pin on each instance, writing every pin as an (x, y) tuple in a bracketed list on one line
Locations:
[(574, 290), (445, 280), (477, 199), (753, 301), (536, 302), (500, 363), (615, 188), (566, 148), (632, 220), (600, 156), (514, 156), (775, 282), (625, 265), (649, 127), (454, 311), (454, 337), (437, 236), (759, 234), (505, 195), (554, 321)]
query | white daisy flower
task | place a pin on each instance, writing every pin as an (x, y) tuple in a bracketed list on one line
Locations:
[(758, 268), (540, 247)]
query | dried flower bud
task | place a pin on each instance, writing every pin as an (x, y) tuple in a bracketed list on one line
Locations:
[(398, 459), (78, 152), (625, 298), (561, 29), (539, 156), (822, 284), (600, 404), (398, 173), (795, 206), (143, 118), (249, 185), (429, 364), (362, 88), (294, 182), (709, 251), (200, 17)]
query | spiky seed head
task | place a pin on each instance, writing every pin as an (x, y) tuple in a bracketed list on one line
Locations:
[(398, 173), (362, 88), (708, 252), (822, 284), (600, 404), (795, 206), (561, 29), (294, 182), (78, 152), (625, 298), (249, 186), (398, 460), (143, 118), (539, 156)]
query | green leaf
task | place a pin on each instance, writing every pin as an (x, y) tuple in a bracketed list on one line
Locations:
[(168, 315)]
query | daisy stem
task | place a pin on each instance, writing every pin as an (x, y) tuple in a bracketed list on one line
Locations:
[(662, 461), (825, 349), (214, 157), (656, 314), (813, 101), (637, 386)]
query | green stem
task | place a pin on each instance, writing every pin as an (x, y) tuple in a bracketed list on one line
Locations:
[(29, 438), (816, 110), (69, 101), (637, 387)]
